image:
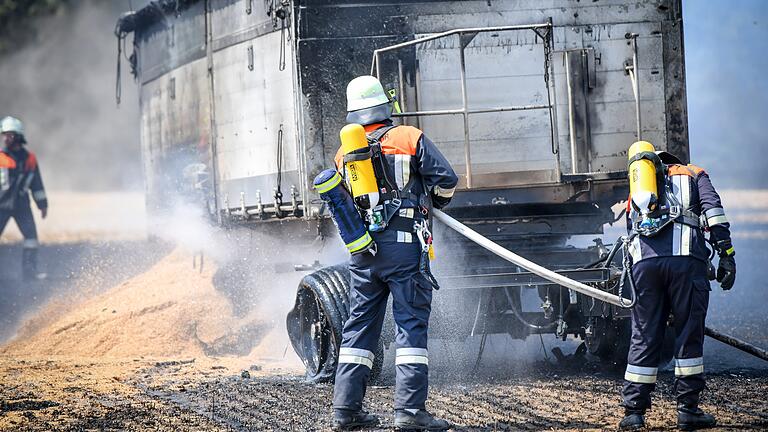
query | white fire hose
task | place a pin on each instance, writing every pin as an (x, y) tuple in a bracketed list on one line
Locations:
[(524, 263)]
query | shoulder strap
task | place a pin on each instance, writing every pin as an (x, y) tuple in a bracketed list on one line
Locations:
[(377, 134)]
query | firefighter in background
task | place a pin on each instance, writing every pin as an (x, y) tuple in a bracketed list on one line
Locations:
[(671, 206), (423, 179), (20, 175)]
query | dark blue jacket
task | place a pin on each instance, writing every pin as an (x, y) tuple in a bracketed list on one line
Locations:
[(693, 189), (20, 175)]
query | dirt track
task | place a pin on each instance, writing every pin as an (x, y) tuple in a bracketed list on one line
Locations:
[(120, 354), (212, 395)]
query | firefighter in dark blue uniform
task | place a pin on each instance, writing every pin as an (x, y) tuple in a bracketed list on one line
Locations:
[(672, 273), (20, 176), (425, 179)]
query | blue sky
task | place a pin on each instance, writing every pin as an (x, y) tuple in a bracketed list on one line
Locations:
[(726, 52)]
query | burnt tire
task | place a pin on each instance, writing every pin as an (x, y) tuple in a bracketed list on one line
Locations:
[(316, 321), (611, 339)]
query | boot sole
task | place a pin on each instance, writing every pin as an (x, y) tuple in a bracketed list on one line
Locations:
[(418, 428), (694, 426), (354, 426)]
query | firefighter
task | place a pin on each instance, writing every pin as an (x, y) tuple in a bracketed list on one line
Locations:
[(20, 175), (424, 179), (671, 207)]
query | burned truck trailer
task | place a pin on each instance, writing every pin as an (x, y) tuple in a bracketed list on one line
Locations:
[(534, 103)]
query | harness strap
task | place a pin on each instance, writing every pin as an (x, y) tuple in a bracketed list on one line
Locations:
[(377, 134), (358, 155)]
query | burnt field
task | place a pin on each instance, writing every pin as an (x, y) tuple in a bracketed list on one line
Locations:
[(190, 395), (131, 335)]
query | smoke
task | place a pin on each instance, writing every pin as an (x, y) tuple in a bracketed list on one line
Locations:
[(62, 86), (727, 90)]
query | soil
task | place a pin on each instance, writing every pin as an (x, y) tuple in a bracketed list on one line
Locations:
[(209, 394), (126, 335)]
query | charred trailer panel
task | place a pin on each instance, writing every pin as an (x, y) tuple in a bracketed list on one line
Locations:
[(255, 92), (535, 105), (217, 98)]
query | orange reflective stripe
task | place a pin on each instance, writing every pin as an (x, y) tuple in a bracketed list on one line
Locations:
[(401, 140), (372, 127), (7, 161), (687, 170), (31, 162)]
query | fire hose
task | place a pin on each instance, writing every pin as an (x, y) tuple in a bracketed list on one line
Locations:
[(577, 286), (532, 267)]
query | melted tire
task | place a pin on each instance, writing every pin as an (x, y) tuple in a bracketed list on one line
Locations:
[(316, 321)]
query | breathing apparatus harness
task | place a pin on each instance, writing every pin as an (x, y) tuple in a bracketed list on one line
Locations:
[(392, 198), (669, 209)]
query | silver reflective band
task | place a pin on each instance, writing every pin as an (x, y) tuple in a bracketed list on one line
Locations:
[(356, 356), (402, 170), (406, 213), (411, 356), (39, 195), (640, 374), (715, 216), (682, 233), (30, 243), (404, 237), (717, 211), (688, 367), (444, 193)]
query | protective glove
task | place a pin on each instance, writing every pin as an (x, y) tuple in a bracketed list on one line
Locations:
[(726, 272), (726, 269), (711, 272)]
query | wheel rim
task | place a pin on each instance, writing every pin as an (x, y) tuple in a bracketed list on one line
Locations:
[(314, 330)]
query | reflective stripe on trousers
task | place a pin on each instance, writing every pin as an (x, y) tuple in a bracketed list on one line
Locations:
[(411, 356), (641, 374), (356, 356), (688, 367)]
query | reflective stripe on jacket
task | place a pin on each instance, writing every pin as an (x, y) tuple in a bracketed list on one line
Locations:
[(413, 158), (20, 175), (414, 165), (693, 189)]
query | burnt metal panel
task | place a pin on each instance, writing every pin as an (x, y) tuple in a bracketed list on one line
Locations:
[(255, 110), (173, 39), (175, 133), (330, 42)]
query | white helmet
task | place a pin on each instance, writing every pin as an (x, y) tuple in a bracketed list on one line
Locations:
[(367, 102), (11, 124)]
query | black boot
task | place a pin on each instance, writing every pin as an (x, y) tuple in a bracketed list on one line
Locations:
[(691, 418), (29, 263), (418, 420), (349, 420), (632, 420)]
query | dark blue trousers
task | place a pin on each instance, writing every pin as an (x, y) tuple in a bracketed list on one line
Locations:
[(667, 284), (394, 270)]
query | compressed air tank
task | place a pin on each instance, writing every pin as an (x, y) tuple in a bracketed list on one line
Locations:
[(360, 175), (642, 178)]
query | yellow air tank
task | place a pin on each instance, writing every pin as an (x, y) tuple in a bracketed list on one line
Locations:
[(360, 174), (642, 179)]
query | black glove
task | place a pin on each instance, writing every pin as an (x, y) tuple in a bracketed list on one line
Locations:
[(726, 269), (726, 272)]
